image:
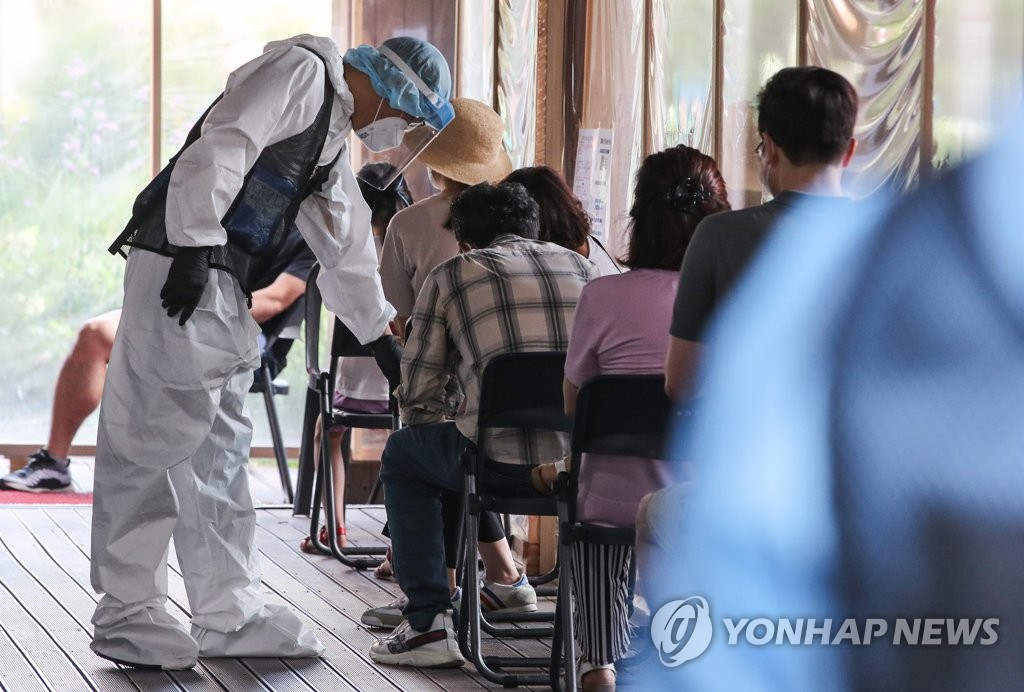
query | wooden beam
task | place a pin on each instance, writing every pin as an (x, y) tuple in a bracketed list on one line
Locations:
[(646, 77), (559, 54), (495, 57), (802, 39), (156, 88), (927, 144), (540, 112), (718, 77), (572, 78), (341, 23)]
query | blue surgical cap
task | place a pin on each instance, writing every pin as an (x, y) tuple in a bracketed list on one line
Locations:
[(401, 92)]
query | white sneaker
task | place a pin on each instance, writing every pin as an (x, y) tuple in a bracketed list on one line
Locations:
[(435, 647), (390, 616), (512, 598)]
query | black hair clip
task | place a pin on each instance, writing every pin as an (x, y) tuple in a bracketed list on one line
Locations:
[(687, 195)]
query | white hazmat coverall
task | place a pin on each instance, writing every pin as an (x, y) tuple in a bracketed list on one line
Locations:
[(173, 439)]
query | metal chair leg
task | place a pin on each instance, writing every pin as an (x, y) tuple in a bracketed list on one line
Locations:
[(472, 623), (307, 461), (375, 492), (355, 557), (564, 623), (276, 436), (314, 516)]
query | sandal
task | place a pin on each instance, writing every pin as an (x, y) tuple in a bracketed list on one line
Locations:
[(306, 545), (385, 570)]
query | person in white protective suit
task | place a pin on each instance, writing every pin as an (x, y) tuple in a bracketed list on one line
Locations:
[(173, 438)]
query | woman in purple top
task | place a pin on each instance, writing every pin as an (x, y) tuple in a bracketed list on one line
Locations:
[(621, 326)]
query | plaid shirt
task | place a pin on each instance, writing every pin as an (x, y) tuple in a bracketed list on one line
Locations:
[(514, 295)]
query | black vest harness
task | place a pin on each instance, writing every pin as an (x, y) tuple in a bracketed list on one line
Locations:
[(283, 175)]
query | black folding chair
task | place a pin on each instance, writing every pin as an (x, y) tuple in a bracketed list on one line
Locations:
[(524, 391), (621, 415), (278, 341), (343, 345)]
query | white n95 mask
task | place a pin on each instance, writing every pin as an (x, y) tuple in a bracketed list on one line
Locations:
[(383, 134)]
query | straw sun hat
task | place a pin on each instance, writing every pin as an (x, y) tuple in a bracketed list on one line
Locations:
[(469, 150)]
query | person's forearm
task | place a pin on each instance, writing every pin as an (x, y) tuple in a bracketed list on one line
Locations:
[(681, 365), (569, 393), (265, 307), (271, 301)]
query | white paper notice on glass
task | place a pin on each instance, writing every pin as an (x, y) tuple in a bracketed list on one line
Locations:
[(592, 182)]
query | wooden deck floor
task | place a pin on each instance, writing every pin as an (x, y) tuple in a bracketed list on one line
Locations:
[(46, 603)]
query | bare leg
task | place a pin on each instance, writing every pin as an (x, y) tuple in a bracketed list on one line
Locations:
[(338, 467), (80, 382), (498, 564), (499, 567), (339, 438)]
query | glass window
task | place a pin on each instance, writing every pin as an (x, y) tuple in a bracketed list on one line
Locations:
[(517, 78), (613, 100), (979, 72), (760, 39), (681, 74), (879, 49), (474, 74), (74, 152), (202, 44)]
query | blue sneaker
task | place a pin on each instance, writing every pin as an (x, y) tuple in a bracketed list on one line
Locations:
[(42, 474)]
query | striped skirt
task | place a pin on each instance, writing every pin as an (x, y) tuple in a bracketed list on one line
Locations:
[(601, 590)]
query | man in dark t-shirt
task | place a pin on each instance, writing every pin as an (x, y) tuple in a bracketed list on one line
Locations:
[(805, 116), (81, 378)]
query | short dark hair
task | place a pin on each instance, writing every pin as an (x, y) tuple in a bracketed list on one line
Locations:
[(482, 212), (809, 112), (383, 203), (675, 189), (563, 220)]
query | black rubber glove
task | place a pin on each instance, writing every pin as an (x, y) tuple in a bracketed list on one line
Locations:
[(186, 279), (388, 355)]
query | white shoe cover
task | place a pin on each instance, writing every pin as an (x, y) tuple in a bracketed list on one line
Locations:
[(273, 632), (148, 638)]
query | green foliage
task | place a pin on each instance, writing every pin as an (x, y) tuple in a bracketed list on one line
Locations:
[(73, 154), (75, 151)]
